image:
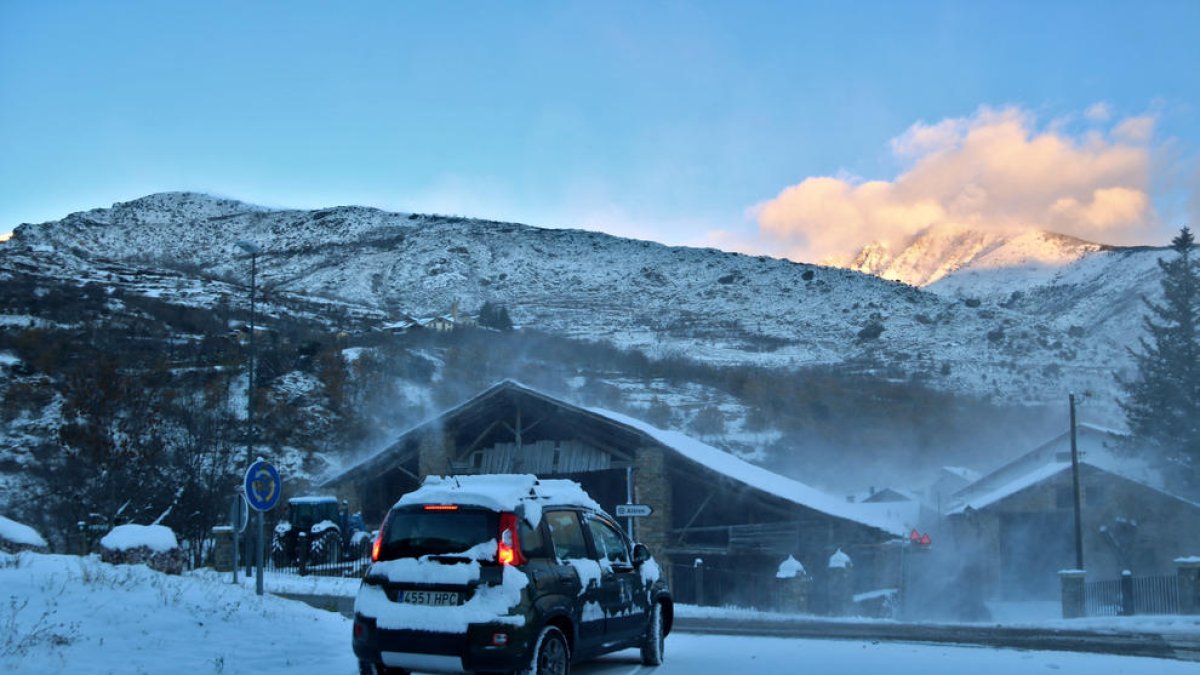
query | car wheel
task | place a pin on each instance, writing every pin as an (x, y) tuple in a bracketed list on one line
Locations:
[(551, 656), (653, 645)]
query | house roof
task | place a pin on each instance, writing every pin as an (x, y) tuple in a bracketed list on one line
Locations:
[(1039, 475), (1097, 446), (683, 446)]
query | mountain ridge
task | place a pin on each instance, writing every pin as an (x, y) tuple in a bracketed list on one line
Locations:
[(960, 333)]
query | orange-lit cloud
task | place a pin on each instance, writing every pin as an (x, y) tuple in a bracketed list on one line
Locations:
[(994, 170)]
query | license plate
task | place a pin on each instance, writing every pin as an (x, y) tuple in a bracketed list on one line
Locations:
[(431, 598)]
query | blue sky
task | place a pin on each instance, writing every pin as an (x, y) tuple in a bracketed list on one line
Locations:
[(668, 121)]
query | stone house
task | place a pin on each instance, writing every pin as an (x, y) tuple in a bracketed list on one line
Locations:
[(1017, 523)]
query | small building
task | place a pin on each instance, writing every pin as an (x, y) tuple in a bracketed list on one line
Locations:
[(711, 510), (1018, 523), (950, 479)]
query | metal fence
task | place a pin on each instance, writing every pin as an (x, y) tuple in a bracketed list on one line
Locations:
[(1156, 595), (715, 586), (1132, 595), (1102, 598)]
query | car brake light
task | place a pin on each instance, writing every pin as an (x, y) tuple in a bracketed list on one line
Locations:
[(379, 540), (441, 507), (508, 550)]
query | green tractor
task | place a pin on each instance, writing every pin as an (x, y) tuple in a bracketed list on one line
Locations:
[(314, 531)]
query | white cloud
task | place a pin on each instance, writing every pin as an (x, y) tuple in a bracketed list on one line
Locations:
[(1098, 112), (994, 170)]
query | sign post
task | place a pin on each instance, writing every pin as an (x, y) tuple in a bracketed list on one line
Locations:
[(262, 494), (239, 513), (631, 511)]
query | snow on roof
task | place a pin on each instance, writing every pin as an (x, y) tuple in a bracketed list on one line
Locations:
[(158, 538), (969, 475), (1036, 476), (312, 499), (499, 492), (1013, 487), (19, 533), (759, 478), (696, 451)]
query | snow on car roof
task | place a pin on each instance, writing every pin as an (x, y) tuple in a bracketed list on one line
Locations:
[(19, 533), (499, 492)]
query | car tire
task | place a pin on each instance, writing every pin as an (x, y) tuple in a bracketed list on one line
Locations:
[(551, 654), (655, 641)]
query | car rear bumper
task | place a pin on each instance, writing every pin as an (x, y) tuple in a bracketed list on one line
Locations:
[(442, 652)]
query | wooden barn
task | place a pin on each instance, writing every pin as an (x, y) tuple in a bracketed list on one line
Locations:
[(732, 520)]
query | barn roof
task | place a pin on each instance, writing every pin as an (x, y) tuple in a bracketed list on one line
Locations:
[(633, 430)]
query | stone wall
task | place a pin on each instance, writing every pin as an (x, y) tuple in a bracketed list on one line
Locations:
[(652, 487)]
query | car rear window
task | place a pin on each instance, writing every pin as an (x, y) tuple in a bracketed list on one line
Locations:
[(417, 532)]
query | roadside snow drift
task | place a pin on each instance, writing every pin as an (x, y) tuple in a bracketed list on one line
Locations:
[(65, 614)]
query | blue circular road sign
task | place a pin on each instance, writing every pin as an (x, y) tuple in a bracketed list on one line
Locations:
[(262, 486)]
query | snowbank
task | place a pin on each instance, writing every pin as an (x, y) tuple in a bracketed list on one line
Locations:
[(19, 534), (153, 545), (80, 615), (157, 538)]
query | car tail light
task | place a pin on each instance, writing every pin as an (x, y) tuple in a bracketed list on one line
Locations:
[(508, 550), (379, 540), (441, 507)]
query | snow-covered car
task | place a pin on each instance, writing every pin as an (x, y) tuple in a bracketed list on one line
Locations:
[(505, 573)]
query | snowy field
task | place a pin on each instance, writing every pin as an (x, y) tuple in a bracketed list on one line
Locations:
[(64, 614)]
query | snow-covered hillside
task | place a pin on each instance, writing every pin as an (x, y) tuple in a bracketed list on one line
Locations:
[(964, 334)]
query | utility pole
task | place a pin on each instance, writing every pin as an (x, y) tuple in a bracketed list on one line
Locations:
[(253, 249), (1075, 482)]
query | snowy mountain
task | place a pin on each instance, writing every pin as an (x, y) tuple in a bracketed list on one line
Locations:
[(943, 251), (1066, 328)]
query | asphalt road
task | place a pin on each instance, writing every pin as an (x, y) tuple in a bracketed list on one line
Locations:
[(1177, 647), (700, 654)]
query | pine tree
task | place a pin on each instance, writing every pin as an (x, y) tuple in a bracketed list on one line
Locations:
[(1162, 403)]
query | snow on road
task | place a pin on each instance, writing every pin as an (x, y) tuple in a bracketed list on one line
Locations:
[(65, 614)]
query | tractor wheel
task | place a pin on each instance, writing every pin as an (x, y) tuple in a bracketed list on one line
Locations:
[(281, 551), (326, 548)]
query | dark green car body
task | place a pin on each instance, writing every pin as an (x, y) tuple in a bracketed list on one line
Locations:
[(583, 576)]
